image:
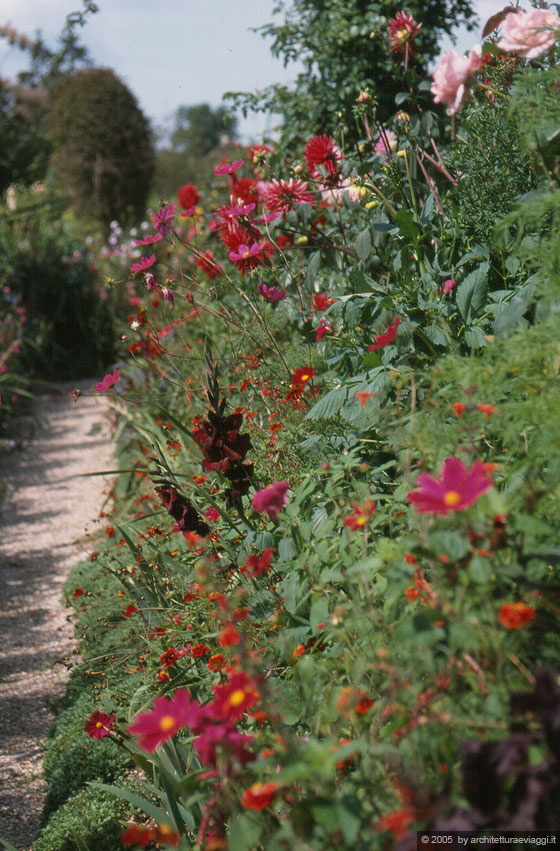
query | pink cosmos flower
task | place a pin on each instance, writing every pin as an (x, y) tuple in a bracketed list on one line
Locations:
[(244, 252), (163, 218), (456, 489), (109, 380), (529, 33), (451, 76), (149, 239), (145, 263), (283, 195), (227, 168), (271, 499), (387, 143), (271, 293), (162, 722), (99, 724)]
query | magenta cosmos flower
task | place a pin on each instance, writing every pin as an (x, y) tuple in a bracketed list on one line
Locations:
[(109, 380), (451, 75), (271, 293), (529, 33), (228, 168), (271, 499), (456, 489), (162, 722), (163, 218), (245, 252), (143, 264), (99, 724)]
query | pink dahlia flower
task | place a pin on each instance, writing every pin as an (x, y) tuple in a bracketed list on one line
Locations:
[(451, 76), (283, 195), (271, 499), (456, 489), (529, 33), (162, 722), (387, 143)]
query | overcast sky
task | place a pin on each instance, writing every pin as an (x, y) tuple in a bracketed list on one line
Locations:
[(172, 52)]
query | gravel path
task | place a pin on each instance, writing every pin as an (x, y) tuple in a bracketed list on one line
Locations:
[(43, 518)]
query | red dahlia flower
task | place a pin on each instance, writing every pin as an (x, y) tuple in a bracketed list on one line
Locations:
[(456, 489), (99, 724), (322, 151), (402, 30), (188, 196), (282, 196)]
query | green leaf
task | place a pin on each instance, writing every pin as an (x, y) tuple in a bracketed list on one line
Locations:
[(407, 225), (471, 295), (244, 833), (480, 570), (329, 405), (474, 337), (319, 613), (313, 267), (138, 801), (427, 210), (363, 244), (451, 544), (512, 316)]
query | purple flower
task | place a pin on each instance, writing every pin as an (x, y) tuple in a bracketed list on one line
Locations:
[(271, 499), (271, 293), (145, 263), (244, 251), (226, 168), (162, 219)]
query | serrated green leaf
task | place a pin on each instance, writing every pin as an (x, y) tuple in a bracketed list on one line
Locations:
[(471, 295)]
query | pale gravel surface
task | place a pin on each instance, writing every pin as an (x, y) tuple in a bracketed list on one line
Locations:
[(44, 516)]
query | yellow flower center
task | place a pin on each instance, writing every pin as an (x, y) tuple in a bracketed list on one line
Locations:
[(237, 697), (305, 377), (245, 254), (451, 498), (361, 521), (167, 723), (99, 725)]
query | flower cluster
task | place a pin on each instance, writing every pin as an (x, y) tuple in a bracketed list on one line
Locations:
[(224, 450)]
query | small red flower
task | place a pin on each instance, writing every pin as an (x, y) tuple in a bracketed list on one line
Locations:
[(322, 301), (324, 329), (396, 822), (199, 650), (516, 615), (387, 337), (216, 662), (168, 659), (301, 376), (360, 516), (229, 636), (487, 410), (99, 724), (256, 565), (459, 408), (402, 29), (110, 531), (77, 592), (363, 397), (259, 795), (298, 651), (129, 611)]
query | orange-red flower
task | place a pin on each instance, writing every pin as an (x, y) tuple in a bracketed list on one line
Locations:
[(387, 337), (396, 822), (487, 410), (516, 615), (459, 408), (259, 795), (216, 662), (229, 636), (361, 515)]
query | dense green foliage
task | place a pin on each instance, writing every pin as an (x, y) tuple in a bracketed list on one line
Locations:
[(103, 153)]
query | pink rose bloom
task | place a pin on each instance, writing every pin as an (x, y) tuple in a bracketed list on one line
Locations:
[(529, 33), (451, 75)]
